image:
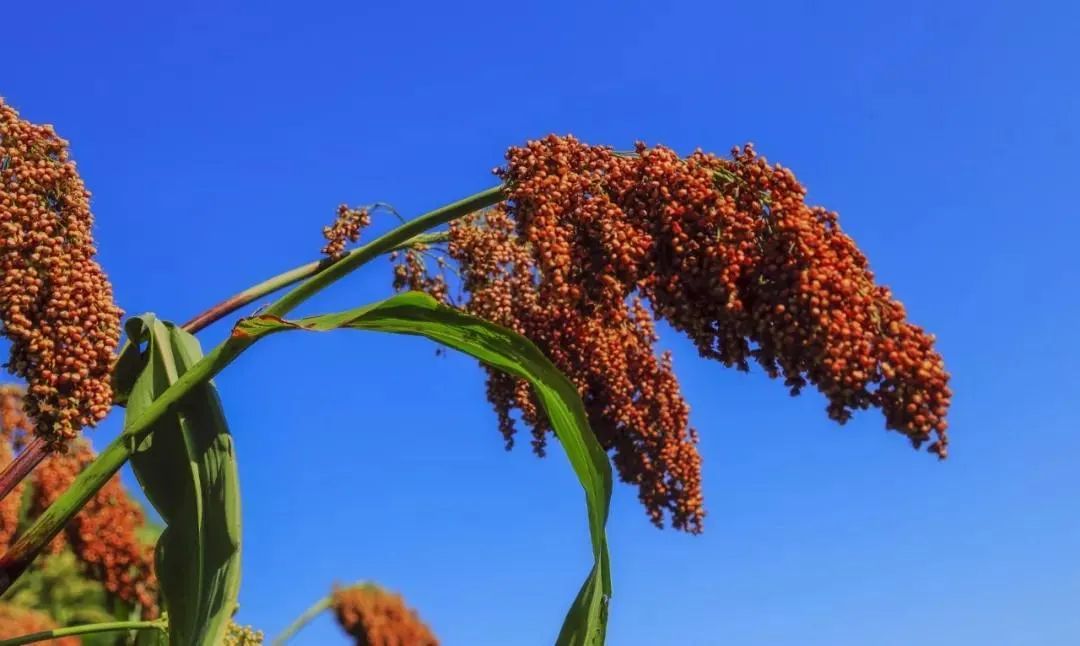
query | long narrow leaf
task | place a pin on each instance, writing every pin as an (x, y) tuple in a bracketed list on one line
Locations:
[(187, 468), (418, 314)]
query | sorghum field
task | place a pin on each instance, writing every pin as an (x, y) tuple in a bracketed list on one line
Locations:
[(258, 277)]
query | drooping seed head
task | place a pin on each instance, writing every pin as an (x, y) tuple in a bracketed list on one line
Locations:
[(593, 245), (56, 304)]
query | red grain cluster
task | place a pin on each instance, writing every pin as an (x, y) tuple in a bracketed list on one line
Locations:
[(346, 229), (631, 395), (16, 621), (726, 251), (375, 617), (103, 535), (56, 304), (747, 270)]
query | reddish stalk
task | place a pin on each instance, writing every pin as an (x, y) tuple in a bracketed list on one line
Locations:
[(22, 465), (282, 280), (254, 293)]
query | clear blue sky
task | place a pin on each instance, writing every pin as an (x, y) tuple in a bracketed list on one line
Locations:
[(218, 140)]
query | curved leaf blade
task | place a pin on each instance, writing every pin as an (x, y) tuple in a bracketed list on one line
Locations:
[(418, 314), (187, 468)]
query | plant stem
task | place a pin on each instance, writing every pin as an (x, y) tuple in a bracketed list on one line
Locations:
[(388, 242), (87, 629), (303, 620), (35, 451), (254, 293), (22, 465), (90, 480), (282, 280), (108, 462)]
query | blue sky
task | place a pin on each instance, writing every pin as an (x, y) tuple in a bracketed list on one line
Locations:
[(217, 141)]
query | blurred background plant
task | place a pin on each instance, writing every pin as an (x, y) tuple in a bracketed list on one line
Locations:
[(77, 581)]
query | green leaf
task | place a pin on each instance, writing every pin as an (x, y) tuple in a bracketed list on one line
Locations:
[(187, 469), (418, 314)]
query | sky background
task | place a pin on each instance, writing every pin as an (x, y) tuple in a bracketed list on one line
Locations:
[(218, 140)]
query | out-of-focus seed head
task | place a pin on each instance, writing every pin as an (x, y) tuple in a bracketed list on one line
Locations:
[(346, 229), (16, 621), (375, 617), (15, 426), (238, 635), (11, 504), (104, 534), (592, 245), (56, 304)]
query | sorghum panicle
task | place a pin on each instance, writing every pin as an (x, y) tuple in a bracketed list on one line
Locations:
[(103, 535), (238, 635), (375, 617), (56, 304), (726, 251), (16, 621), (346, 229)]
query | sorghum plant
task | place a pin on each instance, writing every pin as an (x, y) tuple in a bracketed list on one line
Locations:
[(554, 280)]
